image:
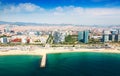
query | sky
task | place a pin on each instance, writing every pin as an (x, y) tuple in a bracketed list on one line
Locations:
[(86, 12)]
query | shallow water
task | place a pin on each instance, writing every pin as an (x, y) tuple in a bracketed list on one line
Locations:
[(68, 64)]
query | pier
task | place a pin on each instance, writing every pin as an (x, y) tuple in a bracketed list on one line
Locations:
[(43, 61)]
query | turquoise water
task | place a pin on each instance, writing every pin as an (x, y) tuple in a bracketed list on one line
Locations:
[(68, 64)]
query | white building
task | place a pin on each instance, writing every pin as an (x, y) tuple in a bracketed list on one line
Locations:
[(24, 40), (4, 40), (59, 36)]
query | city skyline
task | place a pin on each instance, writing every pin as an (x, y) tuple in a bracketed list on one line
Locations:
[(88, 12)]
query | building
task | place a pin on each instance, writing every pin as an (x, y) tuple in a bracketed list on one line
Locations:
[(35, 39), (43, 38), (0, 32), (59, 36), (85, 36), (19, 33), (37, 33), (113, 32), (19, 39), (4, 40), (80, 36), (107, 32), (7, 29), (117, 37), (118, 31), (24, 40), (31, 33), (105, 37), (96, 37), (12, 31), (112, 37)]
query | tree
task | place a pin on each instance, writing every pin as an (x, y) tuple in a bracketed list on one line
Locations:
[(69, 38)]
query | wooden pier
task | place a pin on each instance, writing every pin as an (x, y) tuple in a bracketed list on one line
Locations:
[(43, 61)]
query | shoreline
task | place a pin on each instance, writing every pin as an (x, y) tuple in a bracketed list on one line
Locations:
[(42, 51)]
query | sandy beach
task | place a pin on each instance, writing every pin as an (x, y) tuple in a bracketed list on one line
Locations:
[(42, 51)]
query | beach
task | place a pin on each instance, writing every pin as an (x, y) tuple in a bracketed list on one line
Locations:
[(51, 50)]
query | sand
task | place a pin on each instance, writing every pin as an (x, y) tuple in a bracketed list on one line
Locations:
[(42, 51)]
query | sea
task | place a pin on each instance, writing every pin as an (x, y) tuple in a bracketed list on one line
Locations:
[(62, 64)]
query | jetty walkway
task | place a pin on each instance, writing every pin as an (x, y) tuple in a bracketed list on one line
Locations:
[(43, 61)]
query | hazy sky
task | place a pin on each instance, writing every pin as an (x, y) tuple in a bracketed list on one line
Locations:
[(61, 11)]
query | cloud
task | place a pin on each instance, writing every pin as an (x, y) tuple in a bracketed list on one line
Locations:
[(103, 11), (27, 7), (79, 11), (28, 12), (22, 7), (71, 10)]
